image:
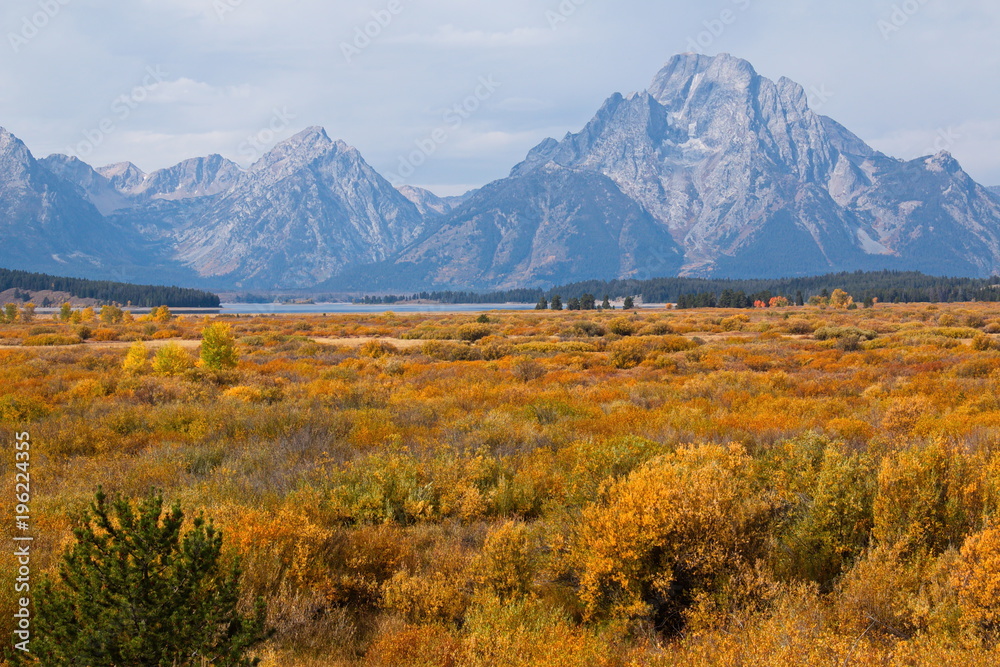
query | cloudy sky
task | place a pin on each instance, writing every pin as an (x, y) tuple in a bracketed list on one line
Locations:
[(476, 83)]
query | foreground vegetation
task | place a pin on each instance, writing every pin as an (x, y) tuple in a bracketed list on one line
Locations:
[(781, 486)]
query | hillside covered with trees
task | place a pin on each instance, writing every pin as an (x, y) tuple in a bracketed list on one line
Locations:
[(107, 292)]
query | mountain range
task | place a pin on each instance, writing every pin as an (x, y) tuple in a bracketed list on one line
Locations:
[(714, 171)]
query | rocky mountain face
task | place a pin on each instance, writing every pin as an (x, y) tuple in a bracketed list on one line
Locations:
[(124, 176), (751, 182), (428, 203), (544, 227), (302, 214), (94, 187), (199, 177), (712, 171), (47, 224)]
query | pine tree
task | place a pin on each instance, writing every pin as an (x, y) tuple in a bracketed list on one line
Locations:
[(542, 304), (557, 303), (629, 303), (133, 590)]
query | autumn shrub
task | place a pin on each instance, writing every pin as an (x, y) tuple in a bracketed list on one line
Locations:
[(494, 348), (507, 564), (527, 633), (735, 322), (587, 328), (893, 594), (255, 393), (172, 359), (595, 462), (136, 359), (977, 580), (672, 530), (430, 597), (106, 335), (840, 333), (218, 347), (474, 332), (626, 354), (622, 326), (376, 349), (983, 343), (929, 499), (51, 340), (415, 646), (526, 369), (17, 409), (675, 344), (831, 520), (657, 328), (446, 351)]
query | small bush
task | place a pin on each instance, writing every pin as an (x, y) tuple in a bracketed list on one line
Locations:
[(172, 359), (622, 326), (51, 340), (627, 354), (474, 332)]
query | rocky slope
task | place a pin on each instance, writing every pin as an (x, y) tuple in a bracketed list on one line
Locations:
[(48, 225), (712, 171), (751, 182), (302, 214)]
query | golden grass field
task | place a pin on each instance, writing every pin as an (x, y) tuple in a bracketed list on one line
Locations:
[(786, 486)]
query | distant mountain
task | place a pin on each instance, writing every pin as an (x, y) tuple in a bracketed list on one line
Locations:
[(547, 226), (752, 183), (97, 189), (48, 224), (302, 214), (995, 189), (124, 176), (714, 171), (428, 203), (198, 177)]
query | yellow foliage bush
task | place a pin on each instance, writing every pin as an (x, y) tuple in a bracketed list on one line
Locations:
[(670, 530), (172, 359), (977, 580)]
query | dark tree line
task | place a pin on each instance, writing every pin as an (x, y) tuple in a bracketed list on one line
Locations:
[(107, 292), (510, 296), (886, 286)]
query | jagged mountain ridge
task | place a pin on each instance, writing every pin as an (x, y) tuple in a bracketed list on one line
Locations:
[(47, 224), (713, 171), (526, 232), (300, 215), (735, 164)]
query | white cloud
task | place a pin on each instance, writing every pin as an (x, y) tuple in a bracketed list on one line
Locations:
[(452, 37), (189, 91)]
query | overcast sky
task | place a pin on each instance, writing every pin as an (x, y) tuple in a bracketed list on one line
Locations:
[(158, 81)]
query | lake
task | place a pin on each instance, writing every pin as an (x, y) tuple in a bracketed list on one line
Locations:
[(341, 308)]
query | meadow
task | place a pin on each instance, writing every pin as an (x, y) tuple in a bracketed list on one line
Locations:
[(779, 486)]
